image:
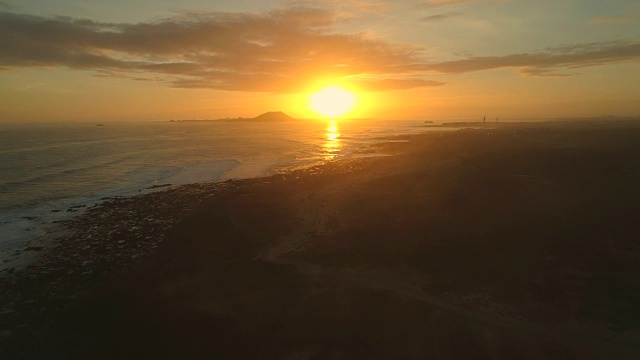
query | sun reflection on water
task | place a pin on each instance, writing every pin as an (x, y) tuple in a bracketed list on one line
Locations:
[(332, 144)]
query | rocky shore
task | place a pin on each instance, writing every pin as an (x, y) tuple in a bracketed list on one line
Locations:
[(103, 242)]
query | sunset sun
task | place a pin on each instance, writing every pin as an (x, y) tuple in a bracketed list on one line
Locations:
[(333, 102)]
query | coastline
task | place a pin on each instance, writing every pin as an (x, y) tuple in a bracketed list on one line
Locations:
[(348, 239), (32, 207)]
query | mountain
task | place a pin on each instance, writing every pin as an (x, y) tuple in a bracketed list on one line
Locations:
[(273, 116)]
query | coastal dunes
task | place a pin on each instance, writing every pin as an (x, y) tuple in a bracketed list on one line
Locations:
[(498, 242)]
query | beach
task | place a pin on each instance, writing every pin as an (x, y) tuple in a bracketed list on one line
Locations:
[(495, 241), (53, 172)]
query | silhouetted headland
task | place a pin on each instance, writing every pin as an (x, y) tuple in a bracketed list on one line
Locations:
[(271, 116)]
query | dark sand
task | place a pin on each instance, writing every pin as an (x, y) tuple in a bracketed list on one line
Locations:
[(508, 242)]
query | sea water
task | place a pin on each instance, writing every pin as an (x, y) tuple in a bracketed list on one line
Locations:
[(49, 172)]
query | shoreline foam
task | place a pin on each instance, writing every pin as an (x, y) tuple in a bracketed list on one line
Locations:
[(23, 225)]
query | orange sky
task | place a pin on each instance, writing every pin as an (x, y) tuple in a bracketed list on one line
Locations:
[(429, 59)]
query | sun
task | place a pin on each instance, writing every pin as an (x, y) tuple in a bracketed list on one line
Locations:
[(333, 102)]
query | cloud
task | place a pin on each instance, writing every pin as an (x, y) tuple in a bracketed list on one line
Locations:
[(370, 6), (432, 3), (612, 19), (348, 7), (440, 17), (549, 62), (286, 50), (395, 84), (283, 50)]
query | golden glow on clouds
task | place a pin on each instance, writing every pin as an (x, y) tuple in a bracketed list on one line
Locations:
[(148, 64), (333, 102)]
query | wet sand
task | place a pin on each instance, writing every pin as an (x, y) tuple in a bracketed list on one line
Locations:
[(510, 241)]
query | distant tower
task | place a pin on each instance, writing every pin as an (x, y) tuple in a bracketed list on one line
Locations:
[(484, 119)]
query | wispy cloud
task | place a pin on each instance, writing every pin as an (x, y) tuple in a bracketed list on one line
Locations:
[(549, 62), (613, 19), (433, 3), (397, 84), (280, 51), (362, 6), (440, 17), (371, 6), (283, 50)]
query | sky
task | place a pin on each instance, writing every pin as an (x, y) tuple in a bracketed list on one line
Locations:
[(97, 60)]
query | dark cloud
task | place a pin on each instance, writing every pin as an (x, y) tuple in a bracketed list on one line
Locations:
[(283, 50), (550, 62), (439, 17)]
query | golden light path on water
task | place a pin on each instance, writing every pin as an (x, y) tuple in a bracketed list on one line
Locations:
[(332, 143)]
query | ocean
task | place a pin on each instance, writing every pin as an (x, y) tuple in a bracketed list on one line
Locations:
[(50, 172)]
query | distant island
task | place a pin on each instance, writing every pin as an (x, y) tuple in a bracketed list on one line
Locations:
[(271, 116)]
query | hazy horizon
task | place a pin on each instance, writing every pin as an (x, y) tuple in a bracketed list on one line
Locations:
[(478, 119)]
